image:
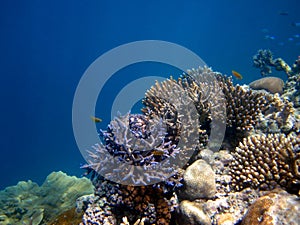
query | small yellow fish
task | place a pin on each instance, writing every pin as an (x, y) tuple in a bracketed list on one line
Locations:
[(237, 75), (158, 152), (96, 119)]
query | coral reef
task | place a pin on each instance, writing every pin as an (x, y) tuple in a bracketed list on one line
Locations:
[(266, 161), (264, 61), (274, 208), (69, 217), (112, 202), (199, 181), (32, 204), (270, 84), (160, 167), (280, 117), (148, 148), (292, 86), (260, 152)]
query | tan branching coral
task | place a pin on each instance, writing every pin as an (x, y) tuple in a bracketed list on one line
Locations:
[(170, 101), (266, 161), (205, 87), (244, 107)]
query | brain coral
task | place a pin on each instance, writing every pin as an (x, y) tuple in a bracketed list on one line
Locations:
[(266, 161)]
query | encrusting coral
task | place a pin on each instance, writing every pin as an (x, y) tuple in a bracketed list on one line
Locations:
[(270, 84), (274, 208), (265, 162)]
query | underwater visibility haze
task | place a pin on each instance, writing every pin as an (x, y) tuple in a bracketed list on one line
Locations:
[(47, 46)]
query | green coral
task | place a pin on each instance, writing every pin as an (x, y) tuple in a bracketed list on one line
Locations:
[(29, 203)]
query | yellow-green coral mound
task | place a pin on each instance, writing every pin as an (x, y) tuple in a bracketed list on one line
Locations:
[(28, 203)]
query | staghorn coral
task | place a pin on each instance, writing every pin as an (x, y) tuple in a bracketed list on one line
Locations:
[(296, 66), (265, 162), (130, 142), (292, 86), (205, 87), (171, 102), (204, 90)]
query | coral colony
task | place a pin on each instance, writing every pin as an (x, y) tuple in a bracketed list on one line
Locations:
[(259, 155), (159, 167)]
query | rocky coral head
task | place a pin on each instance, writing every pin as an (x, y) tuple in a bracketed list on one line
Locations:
[(271, 84)]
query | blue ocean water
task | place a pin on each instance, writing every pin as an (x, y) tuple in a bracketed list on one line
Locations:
[(46, 46)]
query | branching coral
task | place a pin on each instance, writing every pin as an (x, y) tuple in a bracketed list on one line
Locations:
[(205, 87), (280, 117), (145, 149), (115, 201), (266, 161), (179, 116), (127, 155), (264, 61), (244, 107)]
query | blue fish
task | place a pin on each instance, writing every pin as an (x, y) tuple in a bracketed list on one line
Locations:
[(296, 24)]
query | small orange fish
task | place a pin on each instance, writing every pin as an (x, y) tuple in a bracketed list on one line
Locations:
[(237, 75), (96, 119), (158, 152)]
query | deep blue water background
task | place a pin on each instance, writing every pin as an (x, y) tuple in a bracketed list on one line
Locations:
[(45, 47)]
